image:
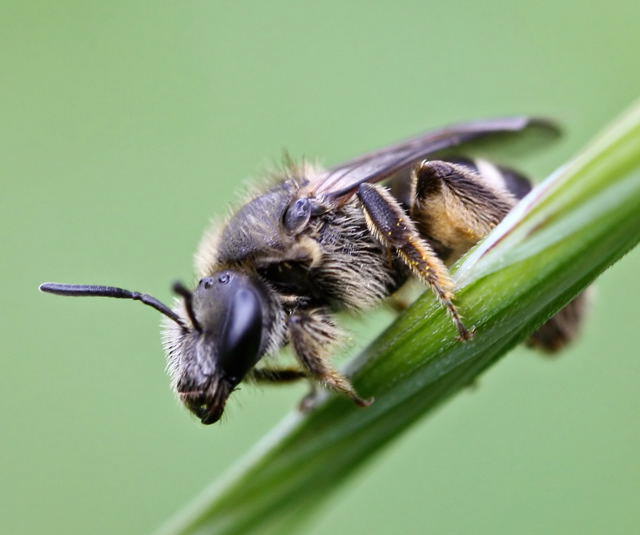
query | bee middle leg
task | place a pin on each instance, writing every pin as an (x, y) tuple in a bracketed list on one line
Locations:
[(398, 304), (388, 222), (312, 334)]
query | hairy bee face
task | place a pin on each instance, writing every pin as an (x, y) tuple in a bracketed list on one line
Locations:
[(231, 318)]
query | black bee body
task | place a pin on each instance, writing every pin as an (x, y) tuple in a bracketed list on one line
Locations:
[(321, 241), (322, 266)]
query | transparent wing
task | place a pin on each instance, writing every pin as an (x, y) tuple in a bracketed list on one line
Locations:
[(342, 180)]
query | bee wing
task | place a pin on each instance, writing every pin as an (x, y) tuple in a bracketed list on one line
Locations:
[(342, 180)]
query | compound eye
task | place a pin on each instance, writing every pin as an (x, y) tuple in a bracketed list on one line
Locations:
[(297, 215), (241, 334)]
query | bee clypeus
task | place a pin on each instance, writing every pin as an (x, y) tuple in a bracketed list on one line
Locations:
[(318, 242)]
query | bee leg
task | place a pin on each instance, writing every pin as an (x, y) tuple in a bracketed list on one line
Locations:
[(454, 207), (310, 400), (286, 375), (397, 304), (564, 327), (312, 333), (388, 222), (277, 375)]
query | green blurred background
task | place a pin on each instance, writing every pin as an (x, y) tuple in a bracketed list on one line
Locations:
[(125, 126)]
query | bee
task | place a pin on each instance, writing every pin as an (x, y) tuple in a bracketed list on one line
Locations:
[(321, 241)]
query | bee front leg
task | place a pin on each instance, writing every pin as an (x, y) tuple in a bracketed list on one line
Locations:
[(391, 226), (312, 334), (277, 375)]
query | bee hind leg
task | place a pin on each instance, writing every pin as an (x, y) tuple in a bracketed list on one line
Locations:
[(563, 328), (455, 207), (312, 333), (391, 226)]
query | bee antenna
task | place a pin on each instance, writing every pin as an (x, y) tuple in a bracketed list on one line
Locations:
[(186, 294), (80, 290)]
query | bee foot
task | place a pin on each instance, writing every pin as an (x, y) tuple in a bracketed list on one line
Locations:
[(466, 334), (364, 402), (308, 402)]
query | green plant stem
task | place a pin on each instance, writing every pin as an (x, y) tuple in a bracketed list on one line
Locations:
[(552, 246)]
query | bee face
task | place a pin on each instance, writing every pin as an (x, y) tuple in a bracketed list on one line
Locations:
[(231, 318)]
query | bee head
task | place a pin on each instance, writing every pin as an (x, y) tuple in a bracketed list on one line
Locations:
[(230, 316), (227, 331)]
